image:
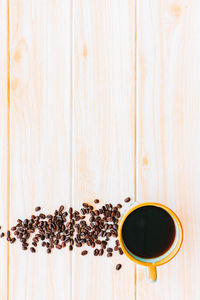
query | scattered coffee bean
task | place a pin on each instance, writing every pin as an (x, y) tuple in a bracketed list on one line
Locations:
[(121, 251), (117, 242), (109, 254), (101, 251), (96, 252), (37, 208), (62, 227), (127, 199), (118, 267), (32, 249), (109, 250)]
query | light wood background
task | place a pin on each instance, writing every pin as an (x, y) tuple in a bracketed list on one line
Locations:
[(99, 98)]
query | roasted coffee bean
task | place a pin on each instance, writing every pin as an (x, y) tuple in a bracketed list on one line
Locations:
[(116, 248), (70, 210), (127, 199), (79, 245), (118, 267), (37, 208), (121, 251), (42, 216), (96, 252), (84, 252), (117, 242), (98, 242), (101, 251), (34, 244), (59, 247), (96, 201), (119, 206), (61, 208), (70, 248), (32, 249), (2, 234), (13, 228), (63, 244), (43, 244), (109, 254), (48, 250), (109, 250)]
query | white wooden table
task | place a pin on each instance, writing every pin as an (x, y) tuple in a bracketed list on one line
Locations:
[(99, 98)]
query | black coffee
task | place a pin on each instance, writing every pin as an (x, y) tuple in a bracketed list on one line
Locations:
[(148, 231)]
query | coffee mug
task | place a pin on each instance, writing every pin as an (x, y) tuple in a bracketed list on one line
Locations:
[(151, 262)]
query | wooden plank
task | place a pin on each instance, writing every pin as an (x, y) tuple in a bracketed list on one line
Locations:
[(40, 137), (168, 114), (4, 145), (103, 132)]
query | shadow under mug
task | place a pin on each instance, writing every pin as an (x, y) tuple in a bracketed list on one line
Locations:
[(152, 263)]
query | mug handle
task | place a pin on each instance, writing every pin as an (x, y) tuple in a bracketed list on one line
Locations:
[(152, 273)]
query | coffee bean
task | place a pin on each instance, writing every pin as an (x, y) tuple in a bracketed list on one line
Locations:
[(84, 252), (109, 250), (109, 254), (119, 206), (116, 248), (32, 249), (101, 251), (61, 208), (79, 245), (48, 250), (42, 216), (59, 247), (121, 251), (117, 242), (2, 234), (118, 267), (96, 252), (37, 208), (63, 244), (70, 248), (13, 228), (96, 201), (127, 199), (43, 244)]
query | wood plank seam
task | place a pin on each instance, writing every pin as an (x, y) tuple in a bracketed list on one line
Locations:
[(8, 139), (136, 148)]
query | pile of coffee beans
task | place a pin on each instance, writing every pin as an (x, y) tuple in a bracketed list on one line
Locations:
[(88, 227)]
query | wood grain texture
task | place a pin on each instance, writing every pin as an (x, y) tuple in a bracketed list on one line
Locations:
[(103, 132), (40, 137), (168, 142), (4, 145)]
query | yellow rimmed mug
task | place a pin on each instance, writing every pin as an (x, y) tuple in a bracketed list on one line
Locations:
[(152, 263)]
